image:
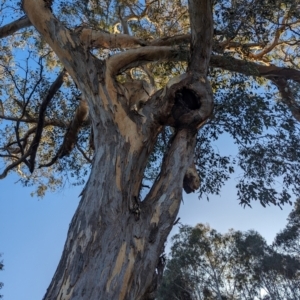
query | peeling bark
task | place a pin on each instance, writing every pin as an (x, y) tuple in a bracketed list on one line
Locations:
[(115, 239)]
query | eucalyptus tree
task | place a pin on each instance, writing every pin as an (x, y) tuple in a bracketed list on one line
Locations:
[(135, 93)]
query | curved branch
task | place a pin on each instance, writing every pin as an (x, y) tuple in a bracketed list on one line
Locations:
[(14, 26), (138, 57), (83, 153), (38, 134), (64, 43), (52, 162)]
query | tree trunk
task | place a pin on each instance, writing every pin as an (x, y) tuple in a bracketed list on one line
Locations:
[(115, 239)]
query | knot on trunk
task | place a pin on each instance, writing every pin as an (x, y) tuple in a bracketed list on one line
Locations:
[(191, 180), (191, 96), (186, 101)]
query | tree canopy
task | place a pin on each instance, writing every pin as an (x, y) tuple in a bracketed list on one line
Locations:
[(253, 70)]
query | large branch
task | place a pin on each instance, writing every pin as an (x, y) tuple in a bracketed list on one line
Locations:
[(167, 189), (77, 60), (102, 39), (138, 57), (201, 23), (172, 40), (14, 26), (253, 69), (279, 76)]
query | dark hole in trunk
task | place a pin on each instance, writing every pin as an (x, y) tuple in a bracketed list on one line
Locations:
[(187, 98)]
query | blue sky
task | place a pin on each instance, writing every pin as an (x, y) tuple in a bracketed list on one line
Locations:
[(33, 231)]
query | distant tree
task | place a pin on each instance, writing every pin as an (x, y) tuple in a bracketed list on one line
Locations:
[(201, 258), (207, 265), (276, 272), (135, 94), (289, 238)]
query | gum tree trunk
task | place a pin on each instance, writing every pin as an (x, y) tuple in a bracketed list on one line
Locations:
[(115, 240)]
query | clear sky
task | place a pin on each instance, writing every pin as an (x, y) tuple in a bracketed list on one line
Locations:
[(33, 232)]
